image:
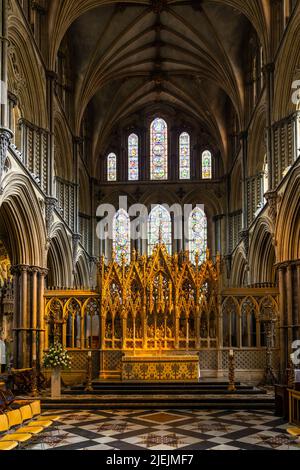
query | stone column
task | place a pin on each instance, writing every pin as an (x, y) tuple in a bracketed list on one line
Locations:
[(219, 333), (269, 80), (298, 290), (34, 313), (289, 285), (51, 81), (16, 321), (41, 313), (244, 142), (77, 141), (23, 317), (282, 321)]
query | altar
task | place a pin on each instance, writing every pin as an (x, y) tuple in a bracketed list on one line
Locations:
[(166, 368)]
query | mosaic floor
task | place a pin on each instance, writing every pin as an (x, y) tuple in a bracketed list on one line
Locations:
[(167, 430)]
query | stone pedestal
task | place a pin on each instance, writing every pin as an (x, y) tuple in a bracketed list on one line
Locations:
[(56, 383)]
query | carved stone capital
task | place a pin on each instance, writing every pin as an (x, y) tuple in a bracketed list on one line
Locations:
[(5, 139)]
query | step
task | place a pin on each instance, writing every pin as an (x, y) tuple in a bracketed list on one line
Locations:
[(119, 383), (163, 392), (220, 404)]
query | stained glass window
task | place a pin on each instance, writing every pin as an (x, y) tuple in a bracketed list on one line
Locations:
[(206, 165), (133, 157), (159, 228), (159, 149), (184, 156), (121, 235), (197, 234), (112, 167)]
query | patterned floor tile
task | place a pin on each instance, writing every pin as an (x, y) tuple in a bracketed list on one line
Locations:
[(166, 430)]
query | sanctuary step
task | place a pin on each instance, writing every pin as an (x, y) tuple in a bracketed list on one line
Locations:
[(108, 395), (103, 388)]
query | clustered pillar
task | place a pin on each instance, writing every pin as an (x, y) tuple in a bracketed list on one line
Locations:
[(289, 282), (28, 326)]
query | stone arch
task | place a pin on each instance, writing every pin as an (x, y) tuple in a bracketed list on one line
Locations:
[(26, 77), (287, 233), (262, 256), (22, 221), (239, 269), (82, 277), (60, 258), (288, 62)]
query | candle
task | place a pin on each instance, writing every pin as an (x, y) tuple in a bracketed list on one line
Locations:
[(90, 354), (231, 352)]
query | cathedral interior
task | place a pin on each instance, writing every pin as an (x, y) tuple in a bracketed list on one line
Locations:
[(150, 192)]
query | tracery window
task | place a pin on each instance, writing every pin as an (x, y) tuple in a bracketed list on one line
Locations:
[(133, 157), (159, 150), (197, 234), (184, 156), (121, 236), (206, 165), (112, 167), (159, 228)]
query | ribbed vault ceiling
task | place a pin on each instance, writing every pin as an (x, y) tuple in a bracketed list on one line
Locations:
[(187, 54)]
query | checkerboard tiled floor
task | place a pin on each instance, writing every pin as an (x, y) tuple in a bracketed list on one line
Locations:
[(167, 430)]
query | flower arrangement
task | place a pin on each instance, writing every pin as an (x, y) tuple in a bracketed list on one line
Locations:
[(57, 356)]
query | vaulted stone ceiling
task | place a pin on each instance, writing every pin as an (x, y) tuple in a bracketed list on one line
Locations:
[(187, 54)]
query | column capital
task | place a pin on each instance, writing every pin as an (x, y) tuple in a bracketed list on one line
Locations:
[(19, 269), (43, 272)]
